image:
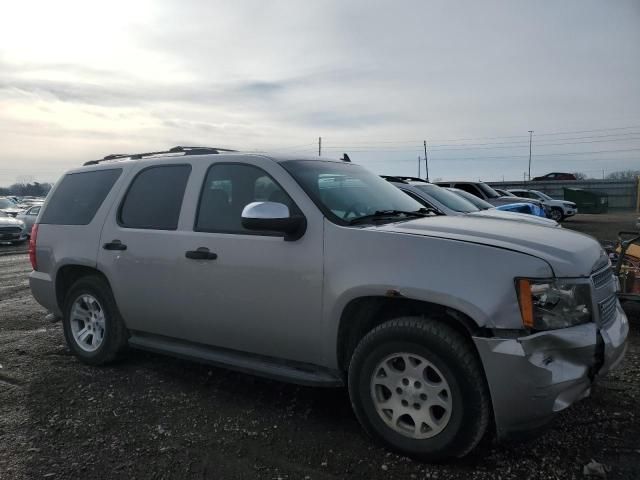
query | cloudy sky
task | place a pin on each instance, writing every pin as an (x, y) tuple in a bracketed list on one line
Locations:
[(81, 79)]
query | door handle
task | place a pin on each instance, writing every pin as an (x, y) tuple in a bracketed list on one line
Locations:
[(114, 245), (201, 253)]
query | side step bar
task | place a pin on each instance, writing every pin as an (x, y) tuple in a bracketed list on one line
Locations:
[(287, 371)]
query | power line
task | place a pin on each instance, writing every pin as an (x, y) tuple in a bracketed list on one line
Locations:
[(482, 146), (568, 132)]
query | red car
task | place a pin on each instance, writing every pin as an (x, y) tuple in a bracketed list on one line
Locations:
[(556, 176)]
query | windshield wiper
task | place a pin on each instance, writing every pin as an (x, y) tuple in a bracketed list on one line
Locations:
[(381, 214)]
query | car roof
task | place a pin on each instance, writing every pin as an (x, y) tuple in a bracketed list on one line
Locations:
[(209, 153)]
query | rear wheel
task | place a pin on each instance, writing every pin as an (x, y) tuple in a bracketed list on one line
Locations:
[(93, 327), (417, 386)]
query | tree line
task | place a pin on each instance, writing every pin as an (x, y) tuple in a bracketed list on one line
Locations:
[(620, 175), (34, 189)]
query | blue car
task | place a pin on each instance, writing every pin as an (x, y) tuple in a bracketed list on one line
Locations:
[(529, 208)]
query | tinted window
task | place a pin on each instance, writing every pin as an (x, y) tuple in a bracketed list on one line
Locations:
[(77, 199), (227, 189), (34, 211), (155, 197), (448, 199), (468, 188)]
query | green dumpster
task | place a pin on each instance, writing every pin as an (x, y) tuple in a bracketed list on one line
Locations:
[(587, 201)]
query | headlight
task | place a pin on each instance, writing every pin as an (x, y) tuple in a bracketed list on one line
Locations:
[(554, 303)]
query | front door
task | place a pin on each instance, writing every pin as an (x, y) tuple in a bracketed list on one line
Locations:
[(260, 294)]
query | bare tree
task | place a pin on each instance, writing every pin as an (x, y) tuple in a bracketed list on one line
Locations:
[(623, 175), (580, 175)]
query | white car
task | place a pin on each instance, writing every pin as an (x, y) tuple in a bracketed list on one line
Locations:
[(560, 209), (11, 229)]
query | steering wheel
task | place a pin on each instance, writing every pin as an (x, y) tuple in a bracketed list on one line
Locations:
[(356, 208)]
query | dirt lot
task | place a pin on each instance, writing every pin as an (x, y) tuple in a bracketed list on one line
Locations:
[(156, 417)]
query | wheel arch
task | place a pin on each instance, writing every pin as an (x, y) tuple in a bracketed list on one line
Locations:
[(363, 314), (67, 275)]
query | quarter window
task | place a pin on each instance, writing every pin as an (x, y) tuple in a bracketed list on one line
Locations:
[(155, 197), (227, 189), (79, 196)]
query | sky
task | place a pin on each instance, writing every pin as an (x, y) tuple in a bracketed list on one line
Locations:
[(80, 79)]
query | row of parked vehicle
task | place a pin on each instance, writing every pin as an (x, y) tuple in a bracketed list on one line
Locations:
[(17, 216), (446, 323)]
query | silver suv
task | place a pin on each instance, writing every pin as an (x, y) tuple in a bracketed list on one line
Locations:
[(444, 328)]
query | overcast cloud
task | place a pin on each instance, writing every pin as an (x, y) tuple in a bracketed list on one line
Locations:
[(82, 79)]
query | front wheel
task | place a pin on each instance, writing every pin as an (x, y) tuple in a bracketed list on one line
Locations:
[(557, 214), (417, 386)]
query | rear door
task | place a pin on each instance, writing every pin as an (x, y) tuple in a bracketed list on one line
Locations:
[(140, 251)]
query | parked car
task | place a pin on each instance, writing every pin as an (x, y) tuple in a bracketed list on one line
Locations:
[(449, 203), (488, 194), (9, 207), (28, 217), (518, 207), (11, 229), (560, 209), (556, 176), (322, 273)]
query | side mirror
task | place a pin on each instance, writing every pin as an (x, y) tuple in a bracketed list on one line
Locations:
[(275, 217)]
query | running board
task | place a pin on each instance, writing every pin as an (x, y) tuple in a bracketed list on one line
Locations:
[(263, 366)]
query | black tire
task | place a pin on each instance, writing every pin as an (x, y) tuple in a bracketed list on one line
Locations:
[(456, 359), (557, 214), (114, 341)]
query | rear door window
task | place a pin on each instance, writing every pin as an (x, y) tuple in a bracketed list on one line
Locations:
[(79, 196), (154, 198)]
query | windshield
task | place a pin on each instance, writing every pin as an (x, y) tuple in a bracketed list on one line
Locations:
[(447, 198), (344, 191), (478, 202), (488, 191), (544, 196), (6, 203)]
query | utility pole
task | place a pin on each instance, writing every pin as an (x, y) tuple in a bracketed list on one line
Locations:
[(418, 166), (426, 159), (319, 146), (530, 138)]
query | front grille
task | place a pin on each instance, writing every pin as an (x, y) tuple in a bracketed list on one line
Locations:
[(608, 309), (6, 230), (602, 278)]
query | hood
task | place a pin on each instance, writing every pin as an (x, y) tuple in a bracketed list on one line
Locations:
[(12, 210), (569, 253), (517, 217), (10, 222)]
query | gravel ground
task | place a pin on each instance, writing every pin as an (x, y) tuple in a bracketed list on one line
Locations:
[(155, 417)]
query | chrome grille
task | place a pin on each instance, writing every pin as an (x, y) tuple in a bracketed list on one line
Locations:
[(602, 278), (608, 309), (4, 230)]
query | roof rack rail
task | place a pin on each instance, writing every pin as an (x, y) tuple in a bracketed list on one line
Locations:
[(178, 149)]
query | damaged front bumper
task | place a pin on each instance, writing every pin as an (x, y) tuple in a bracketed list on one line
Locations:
[(533, 377)]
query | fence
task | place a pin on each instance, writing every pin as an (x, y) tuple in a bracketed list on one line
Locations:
[(623, 194)]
